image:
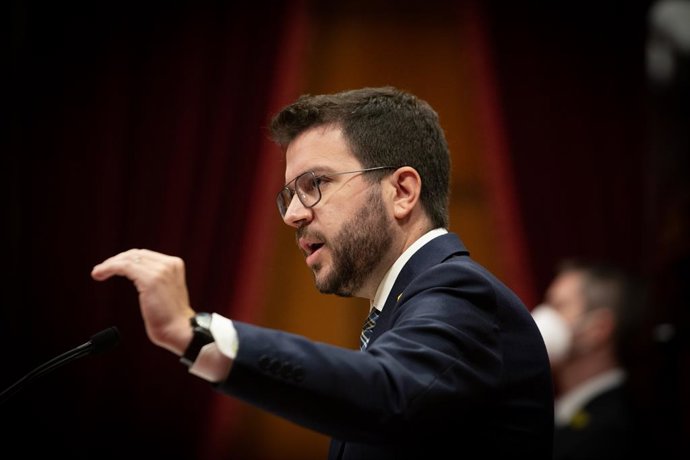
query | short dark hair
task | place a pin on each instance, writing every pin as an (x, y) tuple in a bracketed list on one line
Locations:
[(383, 126), (609, 285)]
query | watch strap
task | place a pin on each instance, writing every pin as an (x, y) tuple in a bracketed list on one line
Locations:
[(202, 336)]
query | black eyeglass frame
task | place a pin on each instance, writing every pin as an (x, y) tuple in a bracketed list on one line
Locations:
[(286, 194)]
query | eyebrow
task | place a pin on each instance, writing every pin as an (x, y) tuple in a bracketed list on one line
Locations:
[(324, 171), (318, 171)]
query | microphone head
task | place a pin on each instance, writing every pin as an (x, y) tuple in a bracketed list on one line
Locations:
[(105, 340)]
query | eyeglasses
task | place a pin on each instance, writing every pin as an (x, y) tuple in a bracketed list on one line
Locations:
[(307, 188)]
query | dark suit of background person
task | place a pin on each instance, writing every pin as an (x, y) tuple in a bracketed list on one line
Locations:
[(589, 318), (456, 367)]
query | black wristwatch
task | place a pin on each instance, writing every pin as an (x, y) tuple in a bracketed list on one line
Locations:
[(201, 326)]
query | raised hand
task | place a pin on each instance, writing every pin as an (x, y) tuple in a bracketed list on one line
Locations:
[(163, 296)]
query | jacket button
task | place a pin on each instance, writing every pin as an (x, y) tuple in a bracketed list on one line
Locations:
[(286, 371), (274, 367)]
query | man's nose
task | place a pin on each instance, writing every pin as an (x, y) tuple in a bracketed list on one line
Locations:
[(297, 214)]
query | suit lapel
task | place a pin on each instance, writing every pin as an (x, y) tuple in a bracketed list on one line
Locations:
[(434, 252)]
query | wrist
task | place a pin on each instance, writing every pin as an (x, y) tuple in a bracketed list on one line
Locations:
[(199, 333)]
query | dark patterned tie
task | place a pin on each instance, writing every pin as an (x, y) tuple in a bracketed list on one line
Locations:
[(368, 328)]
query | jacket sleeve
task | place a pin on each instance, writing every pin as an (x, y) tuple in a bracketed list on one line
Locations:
[(438, 357)]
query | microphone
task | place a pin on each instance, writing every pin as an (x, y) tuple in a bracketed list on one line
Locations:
[(99, 342)]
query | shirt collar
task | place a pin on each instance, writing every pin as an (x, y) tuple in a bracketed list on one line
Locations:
[(567, 405), (389, 278)]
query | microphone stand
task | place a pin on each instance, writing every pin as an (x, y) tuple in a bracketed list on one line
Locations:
[(99, 342)]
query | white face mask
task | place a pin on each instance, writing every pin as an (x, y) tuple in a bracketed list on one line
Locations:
[(554, 330)]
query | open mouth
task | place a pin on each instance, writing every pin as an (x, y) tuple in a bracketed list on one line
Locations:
[(310, 248), (313, 247)]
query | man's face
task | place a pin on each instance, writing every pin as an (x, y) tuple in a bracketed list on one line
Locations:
[(565, 296), (346, 236)]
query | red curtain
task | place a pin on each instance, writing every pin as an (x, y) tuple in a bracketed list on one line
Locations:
[(132, 125), (571, 85)]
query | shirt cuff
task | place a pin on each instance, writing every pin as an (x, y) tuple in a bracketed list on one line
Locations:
[(215, 359)]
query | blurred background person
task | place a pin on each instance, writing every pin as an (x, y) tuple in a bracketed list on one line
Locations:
[(589, 319)]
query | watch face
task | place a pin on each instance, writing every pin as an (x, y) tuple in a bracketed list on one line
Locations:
[(203, 320)]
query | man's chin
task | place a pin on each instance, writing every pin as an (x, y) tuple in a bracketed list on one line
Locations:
[(322, 282), (328, 286), (322, 285)]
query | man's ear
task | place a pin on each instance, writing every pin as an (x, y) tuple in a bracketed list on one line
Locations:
[(406, 187)]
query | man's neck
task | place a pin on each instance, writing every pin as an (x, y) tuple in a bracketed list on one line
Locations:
[(388, 280), (404, 234)]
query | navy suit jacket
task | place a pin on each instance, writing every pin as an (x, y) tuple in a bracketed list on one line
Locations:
[(455, 368)]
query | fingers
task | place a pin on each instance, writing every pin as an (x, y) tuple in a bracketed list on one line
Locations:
[(132, 264), (121, 264), (163, 296)]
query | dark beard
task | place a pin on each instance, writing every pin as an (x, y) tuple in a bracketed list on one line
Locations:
[(358, 248)]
